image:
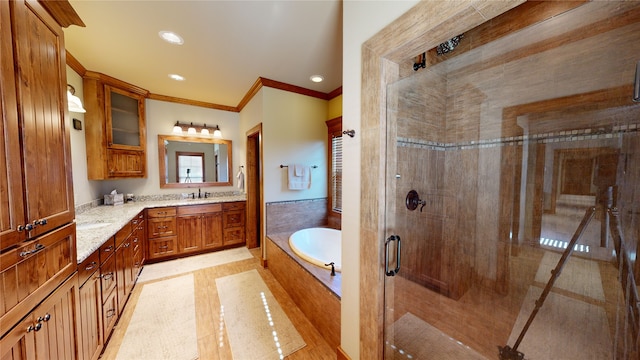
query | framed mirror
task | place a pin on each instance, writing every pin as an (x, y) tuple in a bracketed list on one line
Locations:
[(189, 162)]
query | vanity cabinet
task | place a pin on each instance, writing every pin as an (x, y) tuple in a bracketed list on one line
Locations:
[(190, 229), (233, 223), (161, 232), (35, 161), (199, 227), (115, 130), (90, 338), (127, 242)]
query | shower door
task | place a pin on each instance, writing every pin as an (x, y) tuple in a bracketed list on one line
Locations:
[(499, 159)]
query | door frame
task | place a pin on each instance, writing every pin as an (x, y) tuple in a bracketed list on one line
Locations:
[(254, 189)]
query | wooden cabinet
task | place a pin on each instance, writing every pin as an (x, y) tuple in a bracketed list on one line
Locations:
[(190, 229), (127, 242), (199, 227), (161, 232), (35, 161), (90, 338), (108, 287), (47, 332), (233, 223), (115, 130), (31, 271)]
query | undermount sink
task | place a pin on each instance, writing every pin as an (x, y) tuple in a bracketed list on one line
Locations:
[(93, 225)]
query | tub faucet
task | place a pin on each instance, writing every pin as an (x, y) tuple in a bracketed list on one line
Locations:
[(333, 268)]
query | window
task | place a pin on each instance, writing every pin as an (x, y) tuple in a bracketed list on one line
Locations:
[(190, 167), (335, 166)]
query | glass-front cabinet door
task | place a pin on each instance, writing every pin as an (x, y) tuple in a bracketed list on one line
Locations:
[(125, 119), (513, 191)]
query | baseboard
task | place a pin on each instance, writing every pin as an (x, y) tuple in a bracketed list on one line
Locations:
[(341, 355)]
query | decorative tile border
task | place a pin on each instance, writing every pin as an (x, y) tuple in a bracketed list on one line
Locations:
[(543, 138)]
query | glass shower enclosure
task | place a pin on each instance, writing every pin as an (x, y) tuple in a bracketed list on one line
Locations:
[(513, 192)]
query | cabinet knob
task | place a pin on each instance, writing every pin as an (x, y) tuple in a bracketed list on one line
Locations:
[(44, 318), (35, 327)]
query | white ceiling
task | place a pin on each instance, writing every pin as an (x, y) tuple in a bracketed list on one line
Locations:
[(227, 44)]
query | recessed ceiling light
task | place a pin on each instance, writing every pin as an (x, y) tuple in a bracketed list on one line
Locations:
[(176, 77), (171, 37), (316, 78)]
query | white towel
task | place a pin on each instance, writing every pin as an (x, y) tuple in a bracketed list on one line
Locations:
[(240, 177), (301, 182)]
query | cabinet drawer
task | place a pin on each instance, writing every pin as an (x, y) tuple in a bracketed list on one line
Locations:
[(199, 209), (123, 234), (108, 277), (233, 218), (161, 212), (107, 249), (233, 236), (162, 247), (109, 313), (32, 271), (89, 266), (160, 227), (239, 205), (137, 220)]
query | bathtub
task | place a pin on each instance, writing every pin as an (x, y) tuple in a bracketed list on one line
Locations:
[(318, 246)]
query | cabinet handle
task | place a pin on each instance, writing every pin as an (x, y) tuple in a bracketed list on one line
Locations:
[(108, 248), (91, 266), (39, 247), (163, 247), (44, 318), (126, 245), (39, 222), (35, 327), (27, 227), (107, 276), (111, 312), (135, 222)]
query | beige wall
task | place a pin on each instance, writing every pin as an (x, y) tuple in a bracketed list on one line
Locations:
[(361, 20)]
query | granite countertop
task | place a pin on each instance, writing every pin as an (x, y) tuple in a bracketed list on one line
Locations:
[(90, 239)]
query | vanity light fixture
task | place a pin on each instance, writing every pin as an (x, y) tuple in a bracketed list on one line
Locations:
[(217, 133), (73, 102), (191, 130), (195, 129), (316, 78), (171, 37), (177, 128)]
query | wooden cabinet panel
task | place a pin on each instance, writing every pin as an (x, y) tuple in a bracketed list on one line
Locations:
[(49, 331), (162, 247), (161, 212), (41, 86), (126, 163), (109, 313), (32, 271), (90, 338), (212, 230), (108, 277), (11, 189), (106, 250), (189, 233), (124, 272), (159, 227)]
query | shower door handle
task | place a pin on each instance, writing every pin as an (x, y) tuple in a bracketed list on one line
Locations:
[(386, 256)]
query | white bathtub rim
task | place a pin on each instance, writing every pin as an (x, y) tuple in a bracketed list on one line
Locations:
[(310, 258)]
